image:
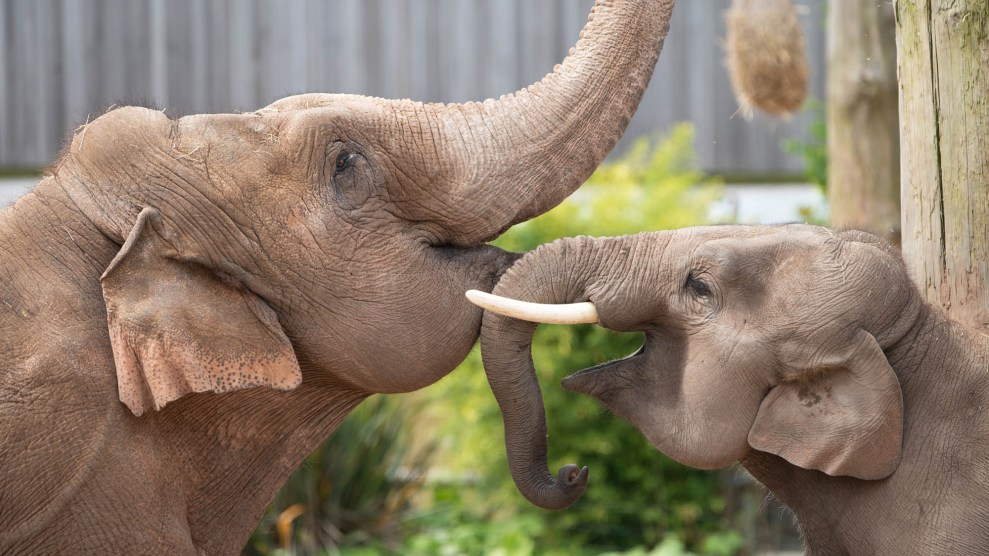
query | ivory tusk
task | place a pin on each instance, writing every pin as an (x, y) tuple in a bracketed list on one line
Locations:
[(570, 313)]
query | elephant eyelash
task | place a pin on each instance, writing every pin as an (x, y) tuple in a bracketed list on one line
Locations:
[(697, 286), (344, 161)]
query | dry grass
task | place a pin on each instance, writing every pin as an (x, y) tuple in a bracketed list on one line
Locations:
[(767, 57)]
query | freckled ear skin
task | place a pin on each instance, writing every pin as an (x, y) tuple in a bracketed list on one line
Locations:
[(847, 420), (176, 328)]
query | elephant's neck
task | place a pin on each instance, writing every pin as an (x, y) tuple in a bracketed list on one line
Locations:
[(225, 455), (943, 369), (46, 222), (937, 497), (235, 451)]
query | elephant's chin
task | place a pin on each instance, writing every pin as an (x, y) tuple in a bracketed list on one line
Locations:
[(656, 410)]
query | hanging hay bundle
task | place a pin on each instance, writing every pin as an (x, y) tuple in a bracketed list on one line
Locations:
[(767, 58)]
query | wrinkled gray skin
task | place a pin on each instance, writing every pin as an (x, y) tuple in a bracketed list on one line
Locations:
[(807, 355), (189, 306)]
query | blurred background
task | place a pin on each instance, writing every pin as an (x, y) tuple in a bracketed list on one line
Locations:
[(426, 473)]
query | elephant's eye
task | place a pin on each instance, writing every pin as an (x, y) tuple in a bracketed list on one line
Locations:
[(698, 286), (345, 160)]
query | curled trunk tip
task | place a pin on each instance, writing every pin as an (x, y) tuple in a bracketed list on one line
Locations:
[(558, 494)]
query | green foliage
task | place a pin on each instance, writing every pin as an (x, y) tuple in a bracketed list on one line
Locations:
[(716, 544), (655, 186), (354, 489), (637, 496)]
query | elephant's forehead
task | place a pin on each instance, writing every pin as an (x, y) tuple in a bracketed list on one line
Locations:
[(329, 103), (120, 128), (737, 236)]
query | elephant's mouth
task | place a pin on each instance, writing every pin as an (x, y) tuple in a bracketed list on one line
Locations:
[(492, 262), (592, 380)]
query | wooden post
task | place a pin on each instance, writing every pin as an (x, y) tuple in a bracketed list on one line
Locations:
[(944, 106), (863, 118)]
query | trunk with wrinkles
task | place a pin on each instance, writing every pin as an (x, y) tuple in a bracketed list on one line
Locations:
[(567, 271), (520, 156)]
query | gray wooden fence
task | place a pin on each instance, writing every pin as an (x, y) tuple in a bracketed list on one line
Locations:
[(64, 61)]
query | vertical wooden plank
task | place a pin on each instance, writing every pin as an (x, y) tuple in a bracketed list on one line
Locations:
[(315, 53), (393, 71), (351, 70), (667, 100), (112, 51), (76, 66), (158, 38), (536, 21), (137, 54), (272, 47), (186, 56), (456, 50), (298, 80), (283, 67), (240, 54), (6, 157), (943, 53), (21, 117), (436, 72), (178, 54), (198, 82), (338, 64), (712, 112), (503, 39), (484, 57), (863, 119), (217, 57), (370, 41), (418, 52), (923, 210), (570, 21), (92, 32), (45, 101)]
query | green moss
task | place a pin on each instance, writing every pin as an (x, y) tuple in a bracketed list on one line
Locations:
[(972, 26)]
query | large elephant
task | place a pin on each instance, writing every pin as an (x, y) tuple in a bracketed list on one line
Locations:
[(189, 306), (805, 354)]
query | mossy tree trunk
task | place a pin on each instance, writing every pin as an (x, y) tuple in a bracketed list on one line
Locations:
[(944, 91), (863, 118)]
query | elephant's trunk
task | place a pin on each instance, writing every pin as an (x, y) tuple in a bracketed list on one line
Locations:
[(521, 155), (567, 271)]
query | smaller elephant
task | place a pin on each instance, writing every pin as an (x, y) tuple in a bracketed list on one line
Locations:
[(804, 354)]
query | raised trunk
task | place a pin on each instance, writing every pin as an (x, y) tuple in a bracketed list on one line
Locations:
[(522, 155), (944, 74), (863, 122)]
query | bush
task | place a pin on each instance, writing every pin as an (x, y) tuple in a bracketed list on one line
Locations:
[(355, 489)]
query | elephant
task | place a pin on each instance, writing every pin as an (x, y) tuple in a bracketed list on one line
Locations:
[(189, 306), (806, 355)]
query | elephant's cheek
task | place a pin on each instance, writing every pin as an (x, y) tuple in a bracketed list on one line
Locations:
[(701, 436), (399, 348)]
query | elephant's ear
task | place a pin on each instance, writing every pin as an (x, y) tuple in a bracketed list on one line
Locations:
[(842, 416), (177, 328)]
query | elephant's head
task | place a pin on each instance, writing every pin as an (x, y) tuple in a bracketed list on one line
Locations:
[(335, 234), (756, 338)]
